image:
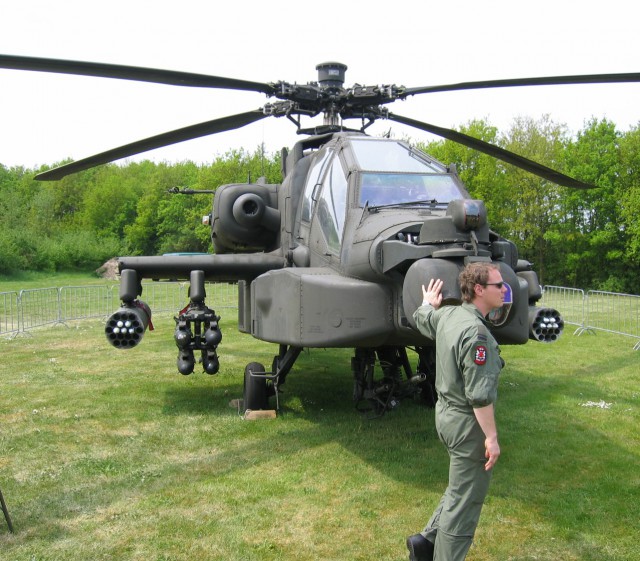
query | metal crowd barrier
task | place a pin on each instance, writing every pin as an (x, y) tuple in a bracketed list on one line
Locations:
[(9, 324), (596, 310), (568, 301), (83, 302), (28, 309), (38, 307), (614, 313), (21, 311)]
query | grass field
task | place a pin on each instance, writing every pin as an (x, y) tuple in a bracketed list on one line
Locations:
[(111, 455), (31, 279)]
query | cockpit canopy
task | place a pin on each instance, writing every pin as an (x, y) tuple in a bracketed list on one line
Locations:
[(394, 173), (380, 189), (352, 170)]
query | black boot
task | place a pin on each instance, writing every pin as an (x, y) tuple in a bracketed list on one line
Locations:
[(420, 548)]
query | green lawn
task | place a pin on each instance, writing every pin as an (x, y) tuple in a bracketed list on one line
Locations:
[(33, 279), (111, 455)]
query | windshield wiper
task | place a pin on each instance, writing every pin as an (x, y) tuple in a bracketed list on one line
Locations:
[(432, 203)]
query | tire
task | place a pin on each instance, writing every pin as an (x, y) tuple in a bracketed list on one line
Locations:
[(255, 389), (428, 394)]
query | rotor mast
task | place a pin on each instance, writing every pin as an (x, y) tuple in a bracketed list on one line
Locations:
[(331, 79)]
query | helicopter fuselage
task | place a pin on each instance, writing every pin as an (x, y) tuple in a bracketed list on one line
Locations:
[(374, 220), (335, 257)]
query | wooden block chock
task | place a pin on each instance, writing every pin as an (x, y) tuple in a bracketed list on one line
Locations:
[(253, 415)]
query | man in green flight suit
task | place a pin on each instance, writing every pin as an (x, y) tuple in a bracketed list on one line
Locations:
[(468, 364)]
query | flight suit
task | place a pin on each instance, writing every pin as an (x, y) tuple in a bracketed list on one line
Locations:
[(468, 364)]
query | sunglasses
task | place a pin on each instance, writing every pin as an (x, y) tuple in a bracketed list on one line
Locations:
[(496, 284)]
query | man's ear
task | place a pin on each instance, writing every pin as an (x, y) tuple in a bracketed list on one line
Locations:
[(477, 289)]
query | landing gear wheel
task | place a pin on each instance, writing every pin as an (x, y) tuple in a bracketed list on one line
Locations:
[(255, 388), (428, 393)]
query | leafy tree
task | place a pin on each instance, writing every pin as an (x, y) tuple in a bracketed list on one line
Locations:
[(630, 182), (588, 239), (142, 235), (595, 253), (533, 201), (109, 203), (629, 198), (482, 175), (180, 227), (17, 225)]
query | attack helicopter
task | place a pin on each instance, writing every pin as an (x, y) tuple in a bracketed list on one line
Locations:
[(335, 255)]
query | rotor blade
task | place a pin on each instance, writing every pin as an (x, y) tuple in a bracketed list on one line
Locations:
[(542, 81), (179, 135), (139, 74), (495, 151)]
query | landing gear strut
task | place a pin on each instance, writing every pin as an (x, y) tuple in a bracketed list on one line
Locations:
[(259, 385), (385, 394)]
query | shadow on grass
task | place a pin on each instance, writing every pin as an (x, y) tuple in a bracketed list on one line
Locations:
[(316, 408), (556, 463), (567, 467)]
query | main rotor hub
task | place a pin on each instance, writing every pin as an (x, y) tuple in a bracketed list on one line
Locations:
[(331, 74)]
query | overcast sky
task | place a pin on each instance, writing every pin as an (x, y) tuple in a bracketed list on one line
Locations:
[(45, 118)]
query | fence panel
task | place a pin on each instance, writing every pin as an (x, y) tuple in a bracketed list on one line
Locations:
[(9, 313), (163, 296), (222, 295), (568, 301), (82, 302), (614, 312), (593, 311), (174, 296), (38, 307)]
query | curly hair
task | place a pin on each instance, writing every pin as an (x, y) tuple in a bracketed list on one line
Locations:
[(472, 274)]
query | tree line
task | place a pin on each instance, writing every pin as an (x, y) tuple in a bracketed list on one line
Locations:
[(87, 218), (579, 238)]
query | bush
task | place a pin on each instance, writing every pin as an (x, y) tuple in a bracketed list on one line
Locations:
[(11, 258), (77, 250), (23, 251)]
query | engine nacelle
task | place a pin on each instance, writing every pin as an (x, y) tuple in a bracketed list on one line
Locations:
[(245, 218), (512, 324)]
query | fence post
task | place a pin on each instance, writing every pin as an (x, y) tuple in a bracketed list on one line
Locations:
[(585, 328)]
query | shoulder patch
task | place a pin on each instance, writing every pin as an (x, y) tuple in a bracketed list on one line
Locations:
[(480, 355)]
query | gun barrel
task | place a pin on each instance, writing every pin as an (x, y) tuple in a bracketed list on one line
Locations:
[(545, 324), (126, 327)]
